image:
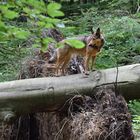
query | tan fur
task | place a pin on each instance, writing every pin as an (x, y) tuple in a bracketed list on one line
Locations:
[(65, 53)]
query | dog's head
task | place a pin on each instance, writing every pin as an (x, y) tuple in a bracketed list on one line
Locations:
[(96, 40)]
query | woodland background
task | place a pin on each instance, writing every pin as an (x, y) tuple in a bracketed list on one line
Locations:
[(23, 22)]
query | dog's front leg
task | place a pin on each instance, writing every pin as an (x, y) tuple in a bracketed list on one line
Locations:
[(93, 63), (86, 65)]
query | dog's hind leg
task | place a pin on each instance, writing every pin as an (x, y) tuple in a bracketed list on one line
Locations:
[(64, 65), (59, 62)]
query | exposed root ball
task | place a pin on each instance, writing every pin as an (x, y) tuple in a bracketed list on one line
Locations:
[(103, 117)]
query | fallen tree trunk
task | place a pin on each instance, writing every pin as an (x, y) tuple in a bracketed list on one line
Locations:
[(51, 93)]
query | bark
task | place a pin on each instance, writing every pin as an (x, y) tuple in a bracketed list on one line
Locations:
[(51, 93)]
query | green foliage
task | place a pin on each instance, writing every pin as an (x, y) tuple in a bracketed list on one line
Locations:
[(17, 37), (106, 59), (53, 10), (75, 43), (7, 31), (35, 12), (72, 42), (134, 107), (136, 124), (18, 33), (45, 42)]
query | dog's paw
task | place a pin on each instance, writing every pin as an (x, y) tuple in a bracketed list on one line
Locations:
[(93, 69), (57, 75), (86, 73)]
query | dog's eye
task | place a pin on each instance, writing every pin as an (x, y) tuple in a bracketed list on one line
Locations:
[(91, 45)]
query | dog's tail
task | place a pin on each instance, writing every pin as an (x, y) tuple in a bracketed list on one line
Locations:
[(53, 57)]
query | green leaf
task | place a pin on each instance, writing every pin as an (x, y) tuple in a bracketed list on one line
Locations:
[(53, 10), (41, 24), (52, 20), (18, 33), (3, 8), (48, 40), (32, 13), (27, 10), (75, 43), (2, 27), (60, 45), (3, 36), (43, 49), (45, 42), (54, 6), (49, 25), (38, 5), (10, 14), (36, 45), (57, 14), (22, 34)]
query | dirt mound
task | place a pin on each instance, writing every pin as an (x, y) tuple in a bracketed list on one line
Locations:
[(37, 65), (102, 117)]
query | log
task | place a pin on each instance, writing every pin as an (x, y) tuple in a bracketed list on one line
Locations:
[(50, 94)]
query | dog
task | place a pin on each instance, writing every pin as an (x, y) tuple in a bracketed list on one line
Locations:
[(93, 44)]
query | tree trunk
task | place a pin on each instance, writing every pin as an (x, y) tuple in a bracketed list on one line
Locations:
[(51, 93)]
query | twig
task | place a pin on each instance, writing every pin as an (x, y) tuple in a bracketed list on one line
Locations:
[(59, 132), (138, 9), (116, 81)]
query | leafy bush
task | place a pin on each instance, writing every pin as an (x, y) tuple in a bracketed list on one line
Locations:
[(21, 26)]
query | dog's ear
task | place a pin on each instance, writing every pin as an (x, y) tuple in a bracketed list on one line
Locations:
[(92, 30), (98, 33)]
